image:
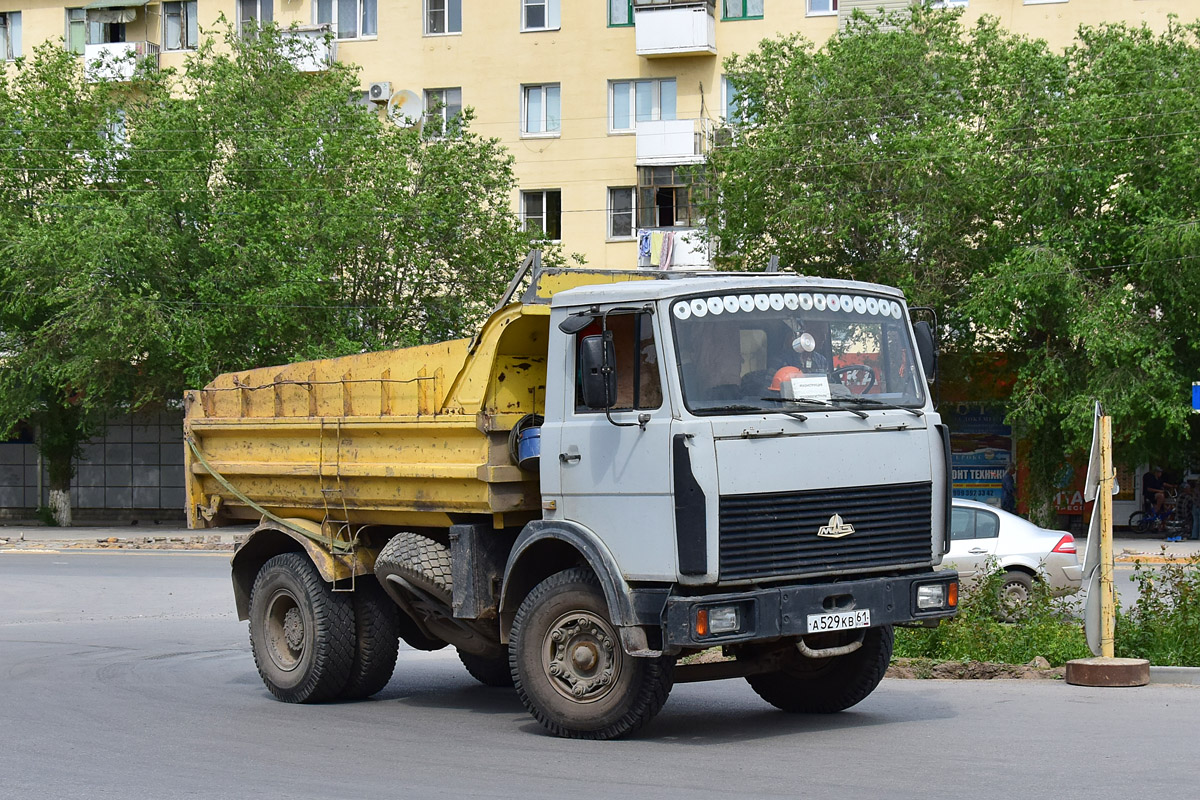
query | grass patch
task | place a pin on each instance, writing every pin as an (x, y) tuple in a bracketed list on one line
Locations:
[(1047, 626), (1164, 624)]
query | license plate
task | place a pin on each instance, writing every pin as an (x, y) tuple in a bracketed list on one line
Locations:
[(839, 621)]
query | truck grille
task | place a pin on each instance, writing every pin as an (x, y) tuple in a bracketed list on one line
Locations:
[(773, 535)]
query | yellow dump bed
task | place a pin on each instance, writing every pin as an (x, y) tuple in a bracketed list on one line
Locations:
[(414, 437)]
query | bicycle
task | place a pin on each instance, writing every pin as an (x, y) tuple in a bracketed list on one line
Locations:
[(1170, 521)]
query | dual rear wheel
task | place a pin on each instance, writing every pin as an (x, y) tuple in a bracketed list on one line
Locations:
[(312, 644)]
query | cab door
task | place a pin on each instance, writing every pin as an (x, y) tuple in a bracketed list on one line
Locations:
[(614, 468)]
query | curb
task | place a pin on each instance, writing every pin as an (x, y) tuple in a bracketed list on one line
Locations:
[(1175, 676), (217, 543)]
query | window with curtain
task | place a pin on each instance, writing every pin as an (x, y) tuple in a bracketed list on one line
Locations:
[(540, 109), (10, 35), (443, 16), (253, 13), (180, 28), (351, 19), (620, 212), (76, 30), (742, 9), (442, 110), (620, 12), (631, 102)]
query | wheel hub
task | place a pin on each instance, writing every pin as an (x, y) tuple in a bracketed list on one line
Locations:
[(285, 631), (581, 658)]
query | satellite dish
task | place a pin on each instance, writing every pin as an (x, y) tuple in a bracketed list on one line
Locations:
[(405, 108)]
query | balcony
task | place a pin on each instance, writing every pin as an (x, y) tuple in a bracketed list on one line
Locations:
[(672, 141), (311, 48), (118, 61), (675, 27)]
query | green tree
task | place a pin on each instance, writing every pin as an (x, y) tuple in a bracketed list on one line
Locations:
[(56, 151), (1043, 202), (249, 214)]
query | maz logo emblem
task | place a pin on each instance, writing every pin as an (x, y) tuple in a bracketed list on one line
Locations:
[(836, 529)]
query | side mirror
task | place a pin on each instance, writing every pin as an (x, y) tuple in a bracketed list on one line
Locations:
[(926, 349), (597, 364)]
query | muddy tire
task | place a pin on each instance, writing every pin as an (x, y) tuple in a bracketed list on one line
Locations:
[(569, 668), (828, 685), (377, 627), (490, 671), (301, 631)]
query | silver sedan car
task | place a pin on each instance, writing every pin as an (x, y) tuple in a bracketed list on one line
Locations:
[(979, 532)]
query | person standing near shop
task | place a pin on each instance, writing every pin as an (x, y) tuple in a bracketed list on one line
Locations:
[(1008, 490)]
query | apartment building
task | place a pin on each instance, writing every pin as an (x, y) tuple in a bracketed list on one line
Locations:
[(601, 102)]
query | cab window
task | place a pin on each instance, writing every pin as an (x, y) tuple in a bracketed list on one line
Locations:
[(638, 384)]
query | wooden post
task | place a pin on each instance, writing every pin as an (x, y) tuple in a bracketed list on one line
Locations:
[(1104, 506)]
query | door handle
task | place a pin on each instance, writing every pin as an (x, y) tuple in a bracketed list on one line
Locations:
[(568, 458), (977, 551)]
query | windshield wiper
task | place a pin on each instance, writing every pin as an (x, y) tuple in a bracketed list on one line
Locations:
[(866, 401), (740, 407), (815, 402)]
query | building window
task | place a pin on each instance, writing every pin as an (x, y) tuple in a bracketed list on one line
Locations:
[(254, 13), (640, 101), (620, 212), (351, 19), (620, 13), (816, 7), (10, 35), (540, 112), (664, 198), (180, 28), (542, 211), (734, 111), (443, 16), (745, 9), (76, 30), (442, 110), (539, 15)]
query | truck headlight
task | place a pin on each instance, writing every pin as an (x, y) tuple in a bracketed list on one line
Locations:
[(716, 620), (939, 596)]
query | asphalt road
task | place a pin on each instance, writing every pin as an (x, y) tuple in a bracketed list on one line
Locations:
[(125, 675)]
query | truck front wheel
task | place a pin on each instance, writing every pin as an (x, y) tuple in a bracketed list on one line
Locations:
[(569, 668), (301, 632), (827, 685)]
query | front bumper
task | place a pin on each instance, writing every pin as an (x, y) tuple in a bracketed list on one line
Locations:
[(783, 611)]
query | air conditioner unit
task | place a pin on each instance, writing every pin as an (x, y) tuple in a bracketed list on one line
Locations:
[(380, 91)]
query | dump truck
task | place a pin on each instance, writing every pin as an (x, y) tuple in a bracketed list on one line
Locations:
[(619, 471)]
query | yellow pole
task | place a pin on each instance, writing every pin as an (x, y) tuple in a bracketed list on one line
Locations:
[(1104, 508)]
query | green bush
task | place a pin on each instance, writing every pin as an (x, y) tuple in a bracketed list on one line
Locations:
[(1164, 624), (1047, 626)]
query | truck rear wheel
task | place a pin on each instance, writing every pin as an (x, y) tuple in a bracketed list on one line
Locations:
[(377, 629), (301, 632), (828, 685), (569, 668), (488, 670)]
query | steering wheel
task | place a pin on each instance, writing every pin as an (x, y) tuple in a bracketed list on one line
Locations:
[(866, 386)]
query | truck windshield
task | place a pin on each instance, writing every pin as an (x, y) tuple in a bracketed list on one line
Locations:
[(779, 351)]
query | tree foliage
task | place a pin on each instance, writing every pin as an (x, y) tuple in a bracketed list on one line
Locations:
[(235, 213), (1044, 202)]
